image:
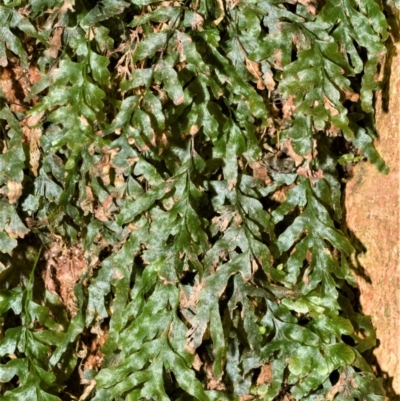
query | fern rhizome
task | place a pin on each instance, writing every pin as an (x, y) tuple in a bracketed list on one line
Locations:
[(171, 175)]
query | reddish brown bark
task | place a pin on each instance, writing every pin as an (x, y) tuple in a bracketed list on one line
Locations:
[(372, 204)]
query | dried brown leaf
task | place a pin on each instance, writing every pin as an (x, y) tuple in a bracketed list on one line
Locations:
[(309, 173), (33, 132), (88, 389), (31, 223), (254, 69), (337, 387), (197, 22), (68, 5), (16, 83), (95, 356), (100, 214), (333, 130), (212, 383), (55, 42), (298, 160), (289, 108), (34, 77), (265, 375), (279, 195), (103, 169), (87, 203), (10, 88), (64, 268), (261, 172), (353, 97)]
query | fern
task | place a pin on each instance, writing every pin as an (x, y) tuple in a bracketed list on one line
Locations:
[(175, 161)]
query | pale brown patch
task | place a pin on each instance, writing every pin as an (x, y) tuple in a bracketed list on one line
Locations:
[(278, 59), (306, 279), (311, 5), (231, 184), (88, 389), (279, 196), (68, 5), (254, 268), (221, 7), (119, 180), (3, 61), (85, 123), (180, 100), (298, 40), (185, 301), (308, 256), (13, 232), (330, 107), (269, 81), (197, 363), (14, 191), (237, 220), (222, 221), (194, 129), (246, 397)]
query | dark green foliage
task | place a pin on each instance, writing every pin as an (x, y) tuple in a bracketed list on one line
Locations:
[(176, 163)]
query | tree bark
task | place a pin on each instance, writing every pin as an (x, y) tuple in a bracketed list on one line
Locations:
[(372, 208)]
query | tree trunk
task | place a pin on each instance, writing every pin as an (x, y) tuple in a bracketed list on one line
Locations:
[(372, 207)]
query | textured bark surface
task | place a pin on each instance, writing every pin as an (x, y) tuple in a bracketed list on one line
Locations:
[(372, 206)]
